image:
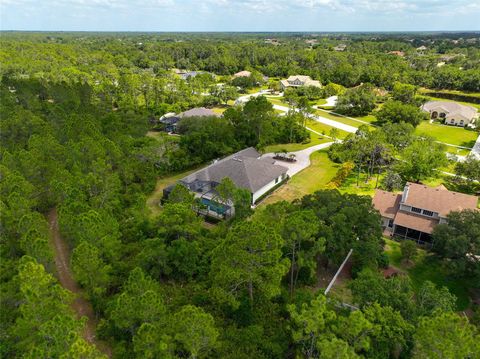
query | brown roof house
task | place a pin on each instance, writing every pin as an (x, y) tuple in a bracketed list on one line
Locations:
[(246, 168), (299, 80), (414, 213), (451, 113)]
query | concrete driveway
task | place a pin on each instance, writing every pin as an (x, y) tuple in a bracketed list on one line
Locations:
[(302, 156)]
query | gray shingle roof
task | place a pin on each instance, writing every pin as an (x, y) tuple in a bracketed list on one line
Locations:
[(452, 108), (198, 112), (244, 168)]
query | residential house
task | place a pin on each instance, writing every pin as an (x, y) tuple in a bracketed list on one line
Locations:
[(244, 73), (246, 168), (414, 213), (299, 80), (397, 53), (451, 113), (170, 120)]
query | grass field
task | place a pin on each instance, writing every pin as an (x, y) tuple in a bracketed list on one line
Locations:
[(325, 129), (449, 134), (428, 267), (311, 179), (363, 189), (339, 118), (292, 147)]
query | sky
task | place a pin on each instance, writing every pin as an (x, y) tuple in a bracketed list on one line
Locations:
[(240, 15)]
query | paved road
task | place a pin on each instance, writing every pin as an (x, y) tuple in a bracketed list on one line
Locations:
[(475, 152), (323, 120), (302, 156)]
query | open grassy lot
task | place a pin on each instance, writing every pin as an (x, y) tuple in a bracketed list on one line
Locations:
[(154, 199), (325, 129), (311, 179), (364, 188), (339, 118), (292, 147), (427, 266), (277, 101), (449, 134)]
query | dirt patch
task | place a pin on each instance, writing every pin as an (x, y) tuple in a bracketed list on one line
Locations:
[(80, 305)]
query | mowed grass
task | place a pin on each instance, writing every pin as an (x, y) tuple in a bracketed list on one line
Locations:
[(325, 129), (311, 179), (365, 187), (292, 147), (339, 118), (426, 266), (448, 134)]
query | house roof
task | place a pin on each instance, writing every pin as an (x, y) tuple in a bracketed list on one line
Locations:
[(386, 203), (438, 199), (245, 168), (306, 80), (244, 73), (198, 112), (452, 108), (410, 220)]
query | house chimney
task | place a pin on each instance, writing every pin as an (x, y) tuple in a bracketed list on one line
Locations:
[(405, 193)]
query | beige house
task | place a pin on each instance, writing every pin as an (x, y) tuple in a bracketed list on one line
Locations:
[(451, 113), (244, 73), (414, 213), (299, 80)]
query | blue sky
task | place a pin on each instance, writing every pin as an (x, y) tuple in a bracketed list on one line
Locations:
[(240, 15)]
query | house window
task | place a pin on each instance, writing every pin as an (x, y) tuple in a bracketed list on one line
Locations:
[(416, 210), (276, 180), (428, 213), (443, 115), (452, 121), (434, 114), (461, 122), (390, 223)]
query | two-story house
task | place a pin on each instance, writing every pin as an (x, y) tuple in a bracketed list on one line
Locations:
[(414, 213)]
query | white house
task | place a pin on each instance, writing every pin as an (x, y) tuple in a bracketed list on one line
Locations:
[(451, 113), (299, 80)]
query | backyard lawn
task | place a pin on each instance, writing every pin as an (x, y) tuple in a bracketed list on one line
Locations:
[(339, 118), (427, 266), (292, 147), (311, 179), (449, 134)]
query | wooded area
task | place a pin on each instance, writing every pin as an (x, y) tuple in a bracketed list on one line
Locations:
[(75, 111)]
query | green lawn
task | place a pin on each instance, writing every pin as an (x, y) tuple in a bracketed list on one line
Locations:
[(277, 101), (449, 134), (325, 129), (339, 118), (363, 189), (428, 267), (311, 179), (292, 147)]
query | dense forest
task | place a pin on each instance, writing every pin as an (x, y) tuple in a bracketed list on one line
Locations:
[(75, 158)]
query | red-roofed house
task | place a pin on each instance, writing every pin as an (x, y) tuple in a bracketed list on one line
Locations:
[(415, 212)]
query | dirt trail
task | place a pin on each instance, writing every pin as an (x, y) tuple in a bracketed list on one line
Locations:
[(80, 305)]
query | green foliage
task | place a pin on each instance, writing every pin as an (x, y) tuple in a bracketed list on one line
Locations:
[(404, 93), (446, 335), (180, 194), (458, 242), (195, 331), (248, 259), (397, 112), (421, 158), (358, 101), (408, 250)]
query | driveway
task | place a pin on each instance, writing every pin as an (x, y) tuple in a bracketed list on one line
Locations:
[(302, 156), (475, 152)]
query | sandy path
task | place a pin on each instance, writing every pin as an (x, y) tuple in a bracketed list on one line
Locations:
[(80, 305)]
